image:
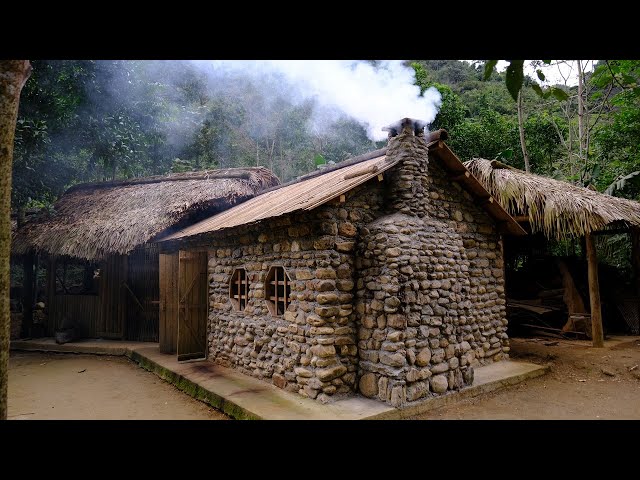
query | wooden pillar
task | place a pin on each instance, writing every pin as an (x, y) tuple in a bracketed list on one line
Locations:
[(27, 296), (594, 293), (51, 291), (635, 256)]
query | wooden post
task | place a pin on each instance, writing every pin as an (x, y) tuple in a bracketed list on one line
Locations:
[(27, 296), (594, 293), (635, 255), (51, 291)]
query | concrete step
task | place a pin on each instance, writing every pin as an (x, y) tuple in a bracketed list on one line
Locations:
[(244, 397)]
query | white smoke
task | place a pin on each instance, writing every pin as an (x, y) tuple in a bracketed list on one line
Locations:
[(374, 96)]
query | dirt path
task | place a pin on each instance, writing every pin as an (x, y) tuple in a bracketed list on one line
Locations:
[(584, 383), (67, 386)]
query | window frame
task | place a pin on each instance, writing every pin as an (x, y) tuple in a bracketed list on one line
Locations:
[(272, 281), (236, 295)]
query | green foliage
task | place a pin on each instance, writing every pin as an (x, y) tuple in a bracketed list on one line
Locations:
[(488, 136), (622, 182), (83, 120), (514, 77), (452, 112), (488, 68), (616, 143), (542, 141)]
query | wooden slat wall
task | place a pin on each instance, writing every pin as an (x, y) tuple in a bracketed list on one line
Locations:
[(112, 297), (79, 311), (169, 302), (142, 324)]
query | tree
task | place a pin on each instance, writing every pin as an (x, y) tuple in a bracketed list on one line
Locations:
[(617, 143), (13, 76), (523, 145), (452, 111)]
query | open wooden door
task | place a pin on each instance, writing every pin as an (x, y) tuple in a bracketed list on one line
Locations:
[(168, 280), (192, 306)]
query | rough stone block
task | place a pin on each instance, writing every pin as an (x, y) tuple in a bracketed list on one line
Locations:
[(368, 385), (439, 384), (326, 374)]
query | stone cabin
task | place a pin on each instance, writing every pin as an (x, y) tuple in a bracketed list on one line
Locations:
[(382, 275)]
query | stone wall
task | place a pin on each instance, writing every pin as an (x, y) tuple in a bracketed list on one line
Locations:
[(311, 349), (430, 297), (397, 292)]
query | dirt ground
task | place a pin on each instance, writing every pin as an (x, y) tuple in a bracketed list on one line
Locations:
[(78, 387), (584, 383)]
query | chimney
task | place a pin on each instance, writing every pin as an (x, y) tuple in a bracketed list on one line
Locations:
[(406, 125), (409, 178)]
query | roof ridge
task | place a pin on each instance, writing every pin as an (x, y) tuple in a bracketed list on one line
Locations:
[(316, 173), (236, 172)]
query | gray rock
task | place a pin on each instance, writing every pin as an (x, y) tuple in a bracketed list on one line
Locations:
[(439, 384), (395, 336), (397, 396), (467, 375), (440, 368), (392, 359), (326, 374), (310, 392), (396, 321), (417, 390), (383, 384), (303, 372)]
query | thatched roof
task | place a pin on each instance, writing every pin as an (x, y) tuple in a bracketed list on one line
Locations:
[(96, 219), (553, 207)]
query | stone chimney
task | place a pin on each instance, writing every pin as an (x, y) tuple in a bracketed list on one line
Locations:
[(408, 180), (412, 287)]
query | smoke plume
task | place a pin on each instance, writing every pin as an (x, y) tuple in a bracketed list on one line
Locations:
[(374, 94)]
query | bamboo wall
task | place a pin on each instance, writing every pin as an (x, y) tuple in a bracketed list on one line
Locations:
[(142, 294), (126, 306)]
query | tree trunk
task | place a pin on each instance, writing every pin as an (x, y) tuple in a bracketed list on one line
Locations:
[(527, 166), (581, 114), (13, 75)]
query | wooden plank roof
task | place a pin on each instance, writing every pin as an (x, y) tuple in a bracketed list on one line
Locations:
[(302, 195)]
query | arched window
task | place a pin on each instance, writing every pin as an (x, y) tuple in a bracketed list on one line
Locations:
[(277, 290), (239, 289)]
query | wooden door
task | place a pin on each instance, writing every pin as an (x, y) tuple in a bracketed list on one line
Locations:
[(169, 302), (192, 306)]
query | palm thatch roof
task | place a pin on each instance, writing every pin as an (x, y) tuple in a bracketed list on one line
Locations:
[(96, 219), (553, 207)]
